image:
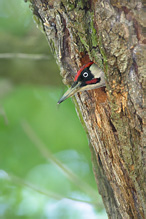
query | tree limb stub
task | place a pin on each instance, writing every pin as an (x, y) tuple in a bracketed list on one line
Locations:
[(111, 35)]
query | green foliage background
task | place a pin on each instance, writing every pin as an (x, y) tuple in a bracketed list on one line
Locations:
[(45, 160)]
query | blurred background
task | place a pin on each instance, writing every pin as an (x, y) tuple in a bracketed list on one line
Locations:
[(45, 161)]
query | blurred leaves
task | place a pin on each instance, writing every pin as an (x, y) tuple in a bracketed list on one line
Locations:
[(13, 15), (66, 171), (19, 156), (26, 39)]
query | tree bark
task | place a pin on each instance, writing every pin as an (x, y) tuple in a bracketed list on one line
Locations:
[(110, 33)]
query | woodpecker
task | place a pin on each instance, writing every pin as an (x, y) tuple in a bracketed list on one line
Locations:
[(89, 77)]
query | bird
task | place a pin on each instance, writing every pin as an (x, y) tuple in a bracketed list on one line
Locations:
[(89, 77)]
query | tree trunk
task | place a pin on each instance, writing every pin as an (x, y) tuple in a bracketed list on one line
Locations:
[(110, 33)]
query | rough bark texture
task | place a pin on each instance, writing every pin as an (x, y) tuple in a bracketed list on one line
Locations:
[(110, 33)]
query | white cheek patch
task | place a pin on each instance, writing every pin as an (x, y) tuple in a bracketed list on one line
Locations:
[(96, 71)]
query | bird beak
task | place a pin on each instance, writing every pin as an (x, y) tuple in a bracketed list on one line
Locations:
[(70, 92)]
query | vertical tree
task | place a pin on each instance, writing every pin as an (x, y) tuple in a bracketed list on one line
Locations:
[(110, 33)]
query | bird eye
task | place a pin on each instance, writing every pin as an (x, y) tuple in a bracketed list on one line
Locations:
[(85, 74)]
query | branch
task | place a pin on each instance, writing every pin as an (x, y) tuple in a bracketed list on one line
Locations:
[(24, 56)]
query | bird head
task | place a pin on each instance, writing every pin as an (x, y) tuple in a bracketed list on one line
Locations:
[(89, 76)]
